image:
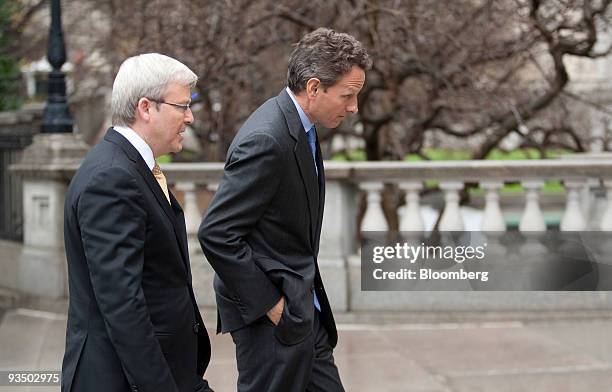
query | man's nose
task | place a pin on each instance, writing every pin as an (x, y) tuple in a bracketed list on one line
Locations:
[(188, 116), (352, 108)]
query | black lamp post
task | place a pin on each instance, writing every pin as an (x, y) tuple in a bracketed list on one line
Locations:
[(56, 118)]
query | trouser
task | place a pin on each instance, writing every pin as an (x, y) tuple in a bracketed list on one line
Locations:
[(267, 365)]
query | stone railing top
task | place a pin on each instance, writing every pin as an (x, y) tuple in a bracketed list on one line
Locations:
[(206, 172), (52, 156), (474, 170), (198, 172), (13, 117), (588, 155), (479, 170), (391, 171)]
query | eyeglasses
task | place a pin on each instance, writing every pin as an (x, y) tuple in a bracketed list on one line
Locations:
[(184, 107)]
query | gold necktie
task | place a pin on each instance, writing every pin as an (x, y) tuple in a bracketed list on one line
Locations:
[(161, 179)]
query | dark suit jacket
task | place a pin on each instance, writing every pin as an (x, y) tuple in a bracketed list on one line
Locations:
[(133, 323), (261, 231)]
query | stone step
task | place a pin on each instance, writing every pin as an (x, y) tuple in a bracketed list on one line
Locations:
[(8, 298), (25, 336), (32, 340)]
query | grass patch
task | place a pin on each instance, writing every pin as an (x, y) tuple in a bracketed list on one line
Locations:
[(353, 155), (437, 154), (550, 187), (164, 159)]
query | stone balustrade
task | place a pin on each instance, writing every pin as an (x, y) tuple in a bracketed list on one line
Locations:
[(429, 189), (346, 181), (579, 179)]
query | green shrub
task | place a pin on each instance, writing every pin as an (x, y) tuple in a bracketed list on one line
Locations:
[(10, 74)]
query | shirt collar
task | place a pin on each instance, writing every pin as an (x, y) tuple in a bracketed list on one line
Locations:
[(306, 123), (139, 144)]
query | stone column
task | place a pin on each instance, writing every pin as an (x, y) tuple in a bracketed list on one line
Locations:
[(411, 219), (374, 217), (493, 219), (573, 218), (338, 240), (46, 168), (451, 218), (532, 219)]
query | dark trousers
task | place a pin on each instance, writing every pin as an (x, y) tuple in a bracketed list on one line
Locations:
[(267, 365)]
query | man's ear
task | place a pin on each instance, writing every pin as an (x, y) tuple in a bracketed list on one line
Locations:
[(143, 109), (312, 87)]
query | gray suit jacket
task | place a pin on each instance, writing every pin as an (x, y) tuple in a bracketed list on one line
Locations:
[(261, 232)]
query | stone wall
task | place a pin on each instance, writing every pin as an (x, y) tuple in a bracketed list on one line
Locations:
[(16, 131)]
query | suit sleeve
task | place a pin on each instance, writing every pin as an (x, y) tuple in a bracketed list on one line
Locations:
[(250, 181), (113, 229)]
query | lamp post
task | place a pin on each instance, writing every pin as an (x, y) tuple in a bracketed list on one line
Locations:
[(56, 117), (45, 169)]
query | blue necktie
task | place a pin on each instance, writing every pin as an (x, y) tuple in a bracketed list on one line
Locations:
[(312, 142), (316, 300)]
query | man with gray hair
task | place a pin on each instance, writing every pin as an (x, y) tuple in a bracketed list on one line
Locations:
[(261, 232), (133, 322)]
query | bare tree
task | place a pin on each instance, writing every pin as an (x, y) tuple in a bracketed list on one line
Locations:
[(472, 70)]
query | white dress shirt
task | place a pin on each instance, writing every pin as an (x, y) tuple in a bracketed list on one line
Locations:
[(139, 144)]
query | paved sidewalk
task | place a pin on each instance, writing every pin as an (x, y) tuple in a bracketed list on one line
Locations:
[(540, 355)]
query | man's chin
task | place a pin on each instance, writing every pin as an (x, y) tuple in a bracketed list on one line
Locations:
[(332, 125), (177, 148)]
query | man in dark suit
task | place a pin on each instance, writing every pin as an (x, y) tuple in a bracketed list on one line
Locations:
[(261, 232), (133, 323)]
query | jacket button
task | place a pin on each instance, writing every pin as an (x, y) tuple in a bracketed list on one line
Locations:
[(196, 328)]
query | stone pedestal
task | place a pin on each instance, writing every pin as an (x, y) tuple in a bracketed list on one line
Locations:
[(202, 275), (338, 240), (46, 168), (16, 131)]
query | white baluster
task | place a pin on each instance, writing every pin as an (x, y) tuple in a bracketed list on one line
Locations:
[(374, 218), (606, 219), (588, 199), (193, 217), (493, 219), (532, 219), (573, 219), (411, 219), (451, 218), (213, 186), (598, 206)]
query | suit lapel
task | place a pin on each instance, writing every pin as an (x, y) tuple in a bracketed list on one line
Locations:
[(303, 157), (181, 232), (153, 185), (142, 168), (168, 210), (309, 178), (321, 200)]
